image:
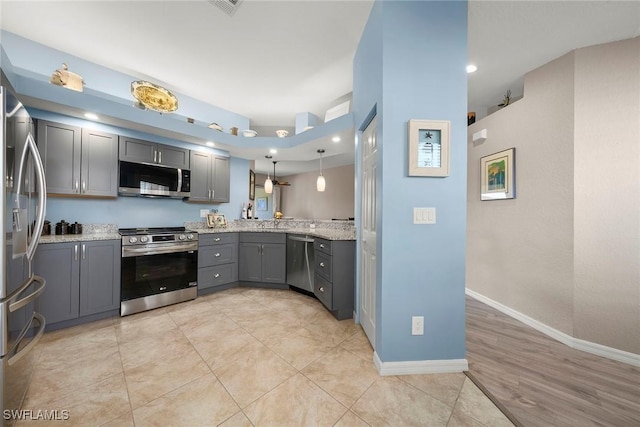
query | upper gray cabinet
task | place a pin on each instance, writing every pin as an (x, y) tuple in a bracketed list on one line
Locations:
[(78, 161), (140, 151), (209, 178)]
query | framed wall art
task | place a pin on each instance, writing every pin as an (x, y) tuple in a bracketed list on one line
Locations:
[(261, 204), (429, 147), (252, 185), (498, 178)]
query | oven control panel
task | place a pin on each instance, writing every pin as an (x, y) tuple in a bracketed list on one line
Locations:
[(159, 239)]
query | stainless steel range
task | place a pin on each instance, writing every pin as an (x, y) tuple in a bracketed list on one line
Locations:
[(159, 267)]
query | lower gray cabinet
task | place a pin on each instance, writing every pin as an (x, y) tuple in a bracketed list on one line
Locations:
[(83, 278), (335, 275), (217, 259), (262, 257)]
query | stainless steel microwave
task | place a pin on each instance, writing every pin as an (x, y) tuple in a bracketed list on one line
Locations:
[(137, 179)]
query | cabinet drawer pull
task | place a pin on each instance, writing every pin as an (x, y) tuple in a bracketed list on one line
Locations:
[(322, 264), (159, 156), (155, 156), (84, 251), (216, 275), (217, 239), (217, 254), (75, 252), (84, 186), (76, 186), (321, 289)]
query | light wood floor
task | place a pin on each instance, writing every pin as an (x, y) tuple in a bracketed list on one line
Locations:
[(542, 382)]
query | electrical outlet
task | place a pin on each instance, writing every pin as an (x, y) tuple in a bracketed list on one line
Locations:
[(203, 213), (417, 325)]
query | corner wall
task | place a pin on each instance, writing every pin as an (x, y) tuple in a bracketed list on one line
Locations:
[(566, 250)]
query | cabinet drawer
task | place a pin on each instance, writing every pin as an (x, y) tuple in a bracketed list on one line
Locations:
[(323, 266), (267, 237), (322, 245), (217, 275), (324, 291), (217, 254), (217, 238)]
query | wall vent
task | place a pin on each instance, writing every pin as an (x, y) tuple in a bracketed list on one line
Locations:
[(228, 6)]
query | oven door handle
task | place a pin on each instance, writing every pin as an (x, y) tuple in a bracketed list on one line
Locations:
[(163, 249)]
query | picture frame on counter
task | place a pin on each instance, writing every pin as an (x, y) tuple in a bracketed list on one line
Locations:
[(429, 147), (216, 220), (261, 204), (498, 179), (252, 185)]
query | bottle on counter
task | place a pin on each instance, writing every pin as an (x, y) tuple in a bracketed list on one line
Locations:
[(244, 211), (250, 211)]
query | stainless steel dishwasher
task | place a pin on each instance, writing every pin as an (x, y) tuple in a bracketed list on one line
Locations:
[(300, 261)]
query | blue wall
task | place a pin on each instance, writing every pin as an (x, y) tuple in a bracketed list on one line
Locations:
[(139, 211), (422, 49)]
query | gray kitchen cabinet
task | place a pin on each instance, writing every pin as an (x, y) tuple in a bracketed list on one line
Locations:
[(335, 275), (78, 161), (59, 264), (209, 178), (262, 257), (217, 259), (140, 151), (83, 278)]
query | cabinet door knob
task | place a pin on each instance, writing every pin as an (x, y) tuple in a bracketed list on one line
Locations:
[(217, 254), (322, 245), (217, 239), (321, 289), (216, 275), (322, 264)]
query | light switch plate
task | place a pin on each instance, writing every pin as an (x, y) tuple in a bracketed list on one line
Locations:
[(424, 215)]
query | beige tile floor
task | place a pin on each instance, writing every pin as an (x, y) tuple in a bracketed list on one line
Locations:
[(241, 357)]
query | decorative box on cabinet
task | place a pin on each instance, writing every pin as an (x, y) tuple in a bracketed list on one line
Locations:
[(217, 259), (262, 258), (334, 275)]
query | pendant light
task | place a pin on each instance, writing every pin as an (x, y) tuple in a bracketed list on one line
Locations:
[(268, 184), (320, 183)]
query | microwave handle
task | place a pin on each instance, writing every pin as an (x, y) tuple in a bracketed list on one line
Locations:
[(179, 180)]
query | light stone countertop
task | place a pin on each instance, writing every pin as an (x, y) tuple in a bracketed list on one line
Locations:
[(325, 233), (90, 232)]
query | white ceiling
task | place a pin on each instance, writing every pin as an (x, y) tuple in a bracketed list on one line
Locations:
[(274, 59)]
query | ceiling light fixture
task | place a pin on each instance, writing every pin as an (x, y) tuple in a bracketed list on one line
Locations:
[(91, 116), (336, 139), (154, 97), (273, 151), (210, 144), (268, 184), (471, 68), (321, 183)]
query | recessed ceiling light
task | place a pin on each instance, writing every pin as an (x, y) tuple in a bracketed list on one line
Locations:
[(273, 151), (336, 139), (210, 144), (91, 116), (471, 68)]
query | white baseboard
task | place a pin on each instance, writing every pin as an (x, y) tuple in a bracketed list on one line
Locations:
[(578, 344), (413, 367)]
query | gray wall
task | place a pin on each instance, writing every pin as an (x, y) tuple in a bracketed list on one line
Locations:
[(302, 200), (566, 251)]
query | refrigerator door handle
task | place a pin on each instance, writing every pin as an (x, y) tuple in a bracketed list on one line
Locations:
[(15, 302), (30, 145), (14, 354)]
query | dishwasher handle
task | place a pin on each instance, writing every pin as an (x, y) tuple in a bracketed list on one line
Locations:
[(301, 239)]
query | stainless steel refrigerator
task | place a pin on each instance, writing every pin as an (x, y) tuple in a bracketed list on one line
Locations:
[(24, 203)]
